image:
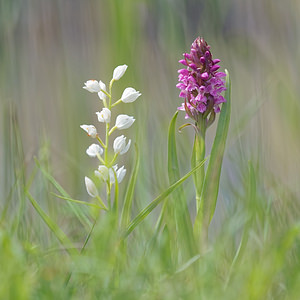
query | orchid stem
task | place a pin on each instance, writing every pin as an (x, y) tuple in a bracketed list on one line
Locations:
[(101, 142), (197, 157), (116, 103), (102, 203)]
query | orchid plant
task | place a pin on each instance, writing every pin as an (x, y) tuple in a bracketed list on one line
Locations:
[(201, 86), (108, 171)]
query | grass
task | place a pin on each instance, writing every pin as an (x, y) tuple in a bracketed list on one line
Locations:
[(46, 249)]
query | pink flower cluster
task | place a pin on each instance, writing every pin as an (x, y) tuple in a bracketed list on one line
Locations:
[(201, 84)]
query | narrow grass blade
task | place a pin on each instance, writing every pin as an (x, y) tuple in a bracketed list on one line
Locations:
[(125, 215), (173, 166), (178, 202), (211, 182), (14, 166), (147, 210), (84, 220), (188, 264), (251, 199), (77, 201), (64, 240)]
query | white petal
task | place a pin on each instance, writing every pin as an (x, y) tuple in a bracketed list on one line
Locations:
[(102, 85), (119, 144), (92, 86), (119, 72), (120, 174), (124, 121), (130, 95), (104, 115), (90, 187), (102, 95), (111, 173), (102, 172), (90, 130), (93, 150), (111, 176), (126, 148)]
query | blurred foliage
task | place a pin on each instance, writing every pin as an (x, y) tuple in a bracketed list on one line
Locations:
[(49, 48)]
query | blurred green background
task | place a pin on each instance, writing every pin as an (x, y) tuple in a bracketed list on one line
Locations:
[(48, 49)]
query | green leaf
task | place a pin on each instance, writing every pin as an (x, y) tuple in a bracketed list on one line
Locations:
[(178, 200), (212, 177), (173, 166), (79, 213), (64, 240), (188, 264), (77, 201), (147, 210), (125, 215)]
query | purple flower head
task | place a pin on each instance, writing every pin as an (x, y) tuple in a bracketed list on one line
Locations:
[(200, 83)]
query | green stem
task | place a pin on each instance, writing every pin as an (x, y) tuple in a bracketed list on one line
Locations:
[(107, 133), (106, 93), (100, 158), (112, 130), (102, 203), (116, 103), (198, 156), (113, 160), (107, 124), (108, 195), (110, 86), (116, 200), (101, 142), (106, 142)]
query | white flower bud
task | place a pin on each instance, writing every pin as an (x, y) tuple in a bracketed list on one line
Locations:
[(124, 121), (90, 130), (102, 173), (130, 95), (120, 145), (92, 86), (104, 115), (102, 95), (94, 150), (120, 173), (90, 187), (119, 72), (111, 173)]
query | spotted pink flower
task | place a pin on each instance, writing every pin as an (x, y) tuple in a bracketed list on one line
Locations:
[(200, 83)]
